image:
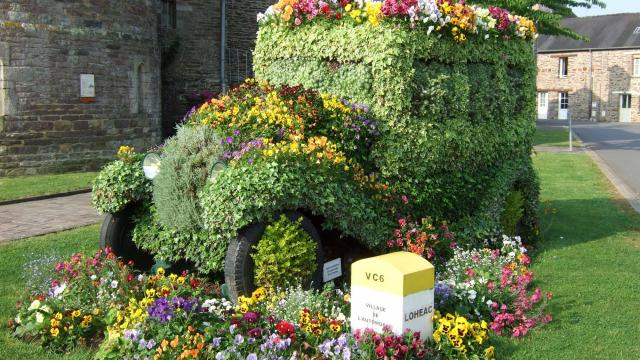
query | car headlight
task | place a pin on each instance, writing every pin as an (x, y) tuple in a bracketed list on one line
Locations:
[(151, 165), (216, 169)]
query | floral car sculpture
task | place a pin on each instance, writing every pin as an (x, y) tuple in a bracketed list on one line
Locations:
[(419, 109)]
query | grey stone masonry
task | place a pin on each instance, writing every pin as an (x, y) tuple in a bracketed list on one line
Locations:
[(45, 47)]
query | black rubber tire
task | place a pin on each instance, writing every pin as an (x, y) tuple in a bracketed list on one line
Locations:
[(116, 233), (238, 267)]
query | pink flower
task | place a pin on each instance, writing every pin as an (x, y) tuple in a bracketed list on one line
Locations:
[(405, 199), (491, 285), (297, 21), (475, 258), (470, 273), (402, 222)]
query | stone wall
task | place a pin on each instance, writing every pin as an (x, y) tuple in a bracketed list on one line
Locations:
[(44, 47), (194, 67), (597, 99)]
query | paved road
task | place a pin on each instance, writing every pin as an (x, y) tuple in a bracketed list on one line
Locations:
[(618, 145), (40, 217)]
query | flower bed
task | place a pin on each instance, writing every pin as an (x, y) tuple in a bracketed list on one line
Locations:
[(101, 302)]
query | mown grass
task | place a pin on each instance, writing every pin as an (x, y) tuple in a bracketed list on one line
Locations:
[(12, 188), (13, 256), (554, 137), (588, 258)]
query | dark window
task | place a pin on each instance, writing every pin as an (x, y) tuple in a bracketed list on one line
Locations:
[(564, 100), (625, 101), (563, 67), (140, 89), (169, 13)]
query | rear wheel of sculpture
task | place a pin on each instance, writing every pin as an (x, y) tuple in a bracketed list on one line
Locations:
[(239, 265), (117, 234)]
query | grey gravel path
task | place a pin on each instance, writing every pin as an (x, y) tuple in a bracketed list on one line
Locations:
[(40, 217)]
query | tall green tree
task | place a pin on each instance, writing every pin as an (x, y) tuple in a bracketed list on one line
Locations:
[(546, 13)]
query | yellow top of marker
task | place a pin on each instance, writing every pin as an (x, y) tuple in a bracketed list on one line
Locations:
[(399, 273)]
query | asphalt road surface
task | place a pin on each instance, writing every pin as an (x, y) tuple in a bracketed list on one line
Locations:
[(618, 145)]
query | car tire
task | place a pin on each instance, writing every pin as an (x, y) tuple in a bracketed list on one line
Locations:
[(239, 266), (117, 233)]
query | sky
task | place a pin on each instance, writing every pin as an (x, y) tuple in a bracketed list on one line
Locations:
[(613, 7)]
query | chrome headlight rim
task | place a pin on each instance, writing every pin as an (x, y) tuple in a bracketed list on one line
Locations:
[(151, 165), (215, 169)]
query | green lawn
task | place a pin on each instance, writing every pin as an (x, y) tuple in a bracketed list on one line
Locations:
[(554, 137), (13, 256), (588, 258), (26, 186)]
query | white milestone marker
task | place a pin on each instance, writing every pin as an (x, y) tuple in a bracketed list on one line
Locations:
[(394, 289)]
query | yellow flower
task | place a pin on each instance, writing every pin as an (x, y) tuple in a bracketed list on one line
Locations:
[(55, 332), (483, 324), (160, 272), (181, 280), (150, 293), (173, 277), (243, 308), (436, 336), (489, 352), (58, 316), (54, 323), (75, 314), (96, 311), (259, 294)]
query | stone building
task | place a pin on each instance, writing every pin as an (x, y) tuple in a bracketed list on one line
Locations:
[(597, 80), (79, 78)]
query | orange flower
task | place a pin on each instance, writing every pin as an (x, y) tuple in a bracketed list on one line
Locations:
[(174, 342)]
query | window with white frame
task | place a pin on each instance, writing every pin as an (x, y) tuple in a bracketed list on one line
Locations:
[(563, 67), (636, 66), (564, 100)]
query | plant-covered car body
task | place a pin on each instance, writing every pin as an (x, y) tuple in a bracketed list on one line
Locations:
[(429, 116)]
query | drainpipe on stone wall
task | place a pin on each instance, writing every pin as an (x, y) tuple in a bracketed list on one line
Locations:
[(591, 118), (223, 42)]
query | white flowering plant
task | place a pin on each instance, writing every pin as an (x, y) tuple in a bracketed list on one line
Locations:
[(473, 280)]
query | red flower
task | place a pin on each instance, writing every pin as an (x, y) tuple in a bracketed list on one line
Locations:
[(338, 16), (194, 283), (285, 328), (130, 277)]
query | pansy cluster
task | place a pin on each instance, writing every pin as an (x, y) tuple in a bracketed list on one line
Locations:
[(494, 284), (442, 16), (257, 121)]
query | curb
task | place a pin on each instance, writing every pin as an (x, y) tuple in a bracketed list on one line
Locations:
[(44, 197), (620, 185), (622, 188)]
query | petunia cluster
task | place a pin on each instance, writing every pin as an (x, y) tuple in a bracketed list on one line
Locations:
[(442, 16)]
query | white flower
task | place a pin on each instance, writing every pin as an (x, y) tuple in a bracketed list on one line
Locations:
[(93, 277), (39, 317), (34, 305), (140, 277), (114, 284), (472, 295), (341, 317), (489, 303), (59, 290)]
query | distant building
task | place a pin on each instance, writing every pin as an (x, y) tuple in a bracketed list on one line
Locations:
[(597, 80), (79, 78)]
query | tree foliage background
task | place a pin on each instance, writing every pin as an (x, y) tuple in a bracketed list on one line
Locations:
[(546, 13)]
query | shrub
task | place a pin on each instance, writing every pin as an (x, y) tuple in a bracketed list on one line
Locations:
[(168, 244), (187, 158), (457, 112), (120, 183), (512, 213), (285, 255)]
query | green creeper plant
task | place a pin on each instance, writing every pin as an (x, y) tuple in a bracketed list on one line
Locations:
[(285, 255), (120, 183)]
